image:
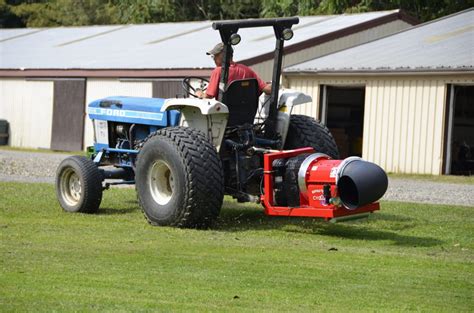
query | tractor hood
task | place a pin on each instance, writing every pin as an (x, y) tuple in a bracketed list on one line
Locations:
[(132, 110)]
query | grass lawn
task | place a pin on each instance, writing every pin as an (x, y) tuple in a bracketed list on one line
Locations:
[(406, 257)]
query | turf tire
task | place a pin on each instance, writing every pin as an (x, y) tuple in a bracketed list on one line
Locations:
[(79, 185), (193, 197), (305, 131)]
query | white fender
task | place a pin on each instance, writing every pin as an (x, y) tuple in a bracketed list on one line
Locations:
[(287, 99), (206, 106), (211, 118), (290, 98)]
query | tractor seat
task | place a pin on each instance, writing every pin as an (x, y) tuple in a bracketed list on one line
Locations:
[(241, 97)]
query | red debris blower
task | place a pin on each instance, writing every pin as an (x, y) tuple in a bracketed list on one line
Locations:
[(303, 182)]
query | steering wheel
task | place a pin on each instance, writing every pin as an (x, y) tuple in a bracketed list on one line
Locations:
[(190, 90)]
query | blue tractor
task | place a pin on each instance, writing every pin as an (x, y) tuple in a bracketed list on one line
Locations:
[(184, 154)]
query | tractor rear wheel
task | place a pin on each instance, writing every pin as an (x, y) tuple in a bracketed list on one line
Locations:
[(179, 178), (79, 185), (305, 131)]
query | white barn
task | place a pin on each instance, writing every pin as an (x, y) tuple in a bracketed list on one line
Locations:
[(405, 102)]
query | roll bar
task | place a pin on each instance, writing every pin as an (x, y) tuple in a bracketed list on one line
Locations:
[(284, 21), (228, 28)]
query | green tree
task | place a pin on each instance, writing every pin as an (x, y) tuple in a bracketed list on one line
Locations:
[(66, 13), (222, 9), (424, 10), (44, 13), (281, 8), (8, 18)]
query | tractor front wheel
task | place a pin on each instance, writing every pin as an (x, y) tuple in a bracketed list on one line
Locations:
[(179, 178), (79, 185)]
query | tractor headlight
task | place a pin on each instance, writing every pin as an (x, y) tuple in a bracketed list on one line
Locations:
[(234, 39), (287, 34)]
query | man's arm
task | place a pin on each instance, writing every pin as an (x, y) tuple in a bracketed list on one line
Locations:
[(262, 86), (267, 89), (212, 87)]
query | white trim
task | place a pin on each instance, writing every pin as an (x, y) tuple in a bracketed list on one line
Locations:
[(324, 105), (447, 168), (125, 113)]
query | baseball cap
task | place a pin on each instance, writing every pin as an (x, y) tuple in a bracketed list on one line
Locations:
[(217, 49)]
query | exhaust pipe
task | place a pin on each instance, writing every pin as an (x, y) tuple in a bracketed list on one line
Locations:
[(360, 182)]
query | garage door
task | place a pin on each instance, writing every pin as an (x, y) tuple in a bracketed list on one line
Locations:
[(167, 89), (68, 114)]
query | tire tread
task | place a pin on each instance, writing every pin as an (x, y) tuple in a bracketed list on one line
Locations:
[(205, 180), (305, 131), (92, 182)]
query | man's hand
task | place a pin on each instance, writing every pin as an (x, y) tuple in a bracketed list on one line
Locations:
[(267, 89), (199, 93)]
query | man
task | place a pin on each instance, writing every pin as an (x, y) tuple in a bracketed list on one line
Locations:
[(236, 72)]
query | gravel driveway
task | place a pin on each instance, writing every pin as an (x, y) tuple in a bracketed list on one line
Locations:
[(34, 167), (41, 167)]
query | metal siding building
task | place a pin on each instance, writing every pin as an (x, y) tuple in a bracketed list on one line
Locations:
[(28, 107), (407, 82), (332, 44), (39, 67)]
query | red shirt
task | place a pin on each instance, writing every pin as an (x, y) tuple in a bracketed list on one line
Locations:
[(236, 72)]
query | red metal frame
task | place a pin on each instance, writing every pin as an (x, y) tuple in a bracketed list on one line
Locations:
[(327, 212)]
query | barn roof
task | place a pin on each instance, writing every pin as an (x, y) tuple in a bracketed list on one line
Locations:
[(165, 46), (442, 45)]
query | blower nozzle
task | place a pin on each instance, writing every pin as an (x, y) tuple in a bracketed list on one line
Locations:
[(360, 183)]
